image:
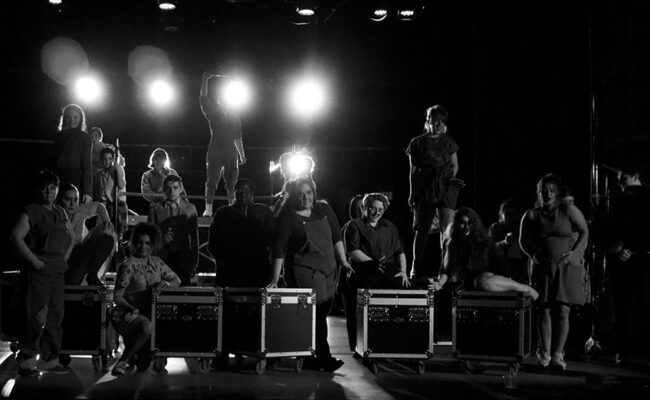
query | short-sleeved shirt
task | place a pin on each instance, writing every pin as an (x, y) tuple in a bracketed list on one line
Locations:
[(137, 274), (376, 242), (224, 127), (290, 235), (49, 236), (431, 159)]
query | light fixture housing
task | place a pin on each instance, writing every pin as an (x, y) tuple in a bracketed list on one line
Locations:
[(167, 5)]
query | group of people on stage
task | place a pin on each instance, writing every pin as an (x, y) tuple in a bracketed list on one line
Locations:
[(297, 242)]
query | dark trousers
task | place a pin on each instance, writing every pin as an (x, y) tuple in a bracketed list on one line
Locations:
[(87, 258), (322, 346), (44, 306), (176, 260)]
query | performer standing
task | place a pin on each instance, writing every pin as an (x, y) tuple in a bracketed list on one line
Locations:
[(226, 149), (433, 183)]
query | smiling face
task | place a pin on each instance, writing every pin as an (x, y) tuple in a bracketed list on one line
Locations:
[(375, 211), (244, 194), (107, 160), (72, 118), (306, 197), (464, 225), (142, 246)]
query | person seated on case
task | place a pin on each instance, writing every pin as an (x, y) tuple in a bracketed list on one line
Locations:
[(467, 255), (93, 248), (109, 188), (240, 239), (177, 220), (136, 278)]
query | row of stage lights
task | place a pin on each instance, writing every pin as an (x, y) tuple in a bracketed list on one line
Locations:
[(306, 97), (306, 11)]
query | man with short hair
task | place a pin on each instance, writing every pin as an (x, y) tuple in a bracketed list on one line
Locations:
[(104, 187), (177, 220), (240, 238)]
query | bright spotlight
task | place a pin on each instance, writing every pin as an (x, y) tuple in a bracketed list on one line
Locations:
[(377, 10), (88, 89), (306, 8), (408, 10), (295, 165), (166, 5), (56, 2), (236, 94), (308, 98), (161, 93)]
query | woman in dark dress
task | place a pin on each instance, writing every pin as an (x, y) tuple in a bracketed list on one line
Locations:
[(308, 243), (554, 235)]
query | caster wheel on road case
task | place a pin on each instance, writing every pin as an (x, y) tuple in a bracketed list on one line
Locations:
[(159, 364), (298, 366), (513, 368), (96, 362), (260, 367), (204, 364), (64, 359), (473, 367), (421, 368), (374, 367)]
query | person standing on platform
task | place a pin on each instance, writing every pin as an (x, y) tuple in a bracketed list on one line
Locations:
[(554, 235), (308, 244), (177, 220), (433, 184), (151, 183), (72, 152), (240, 239), (97, 137), (628, 248), (226, 149), (43, 237)]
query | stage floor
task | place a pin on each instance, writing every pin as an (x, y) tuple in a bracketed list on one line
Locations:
[(444, 378)]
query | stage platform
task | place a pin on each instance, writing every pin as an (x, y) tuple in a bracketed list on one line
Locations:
[(444, 378)]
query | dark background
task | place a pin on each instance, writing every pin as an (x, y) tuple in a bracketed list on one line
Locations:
[(516, 77)]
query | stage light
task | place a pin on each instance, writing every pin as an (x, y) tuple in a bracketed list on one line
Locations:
[(88, 89), (408, 10), (166, 5), (56, 2), (295, 164), (161, 93), (306, 8), (307, 98), (236, 94), (377, 10)]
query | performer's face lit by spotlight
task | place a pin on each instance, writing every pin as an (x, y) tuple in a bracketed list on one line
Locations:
[(173, 190), (107, 160), (437, 122), (158, 164), (72, 118), (96, 137), (70, 201), (306, 197), (142, 246), (465, 225), (375, 211), (549, 193), (244, 194)]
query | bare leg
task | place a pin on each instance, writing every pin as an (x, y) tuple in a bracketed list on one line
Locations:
[(544, 325), (419, 246), (560, 329), (497, 283), (445, 215)]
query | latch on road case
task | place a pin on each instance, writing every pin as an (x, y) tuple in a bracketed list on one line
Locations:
[(207, 313), (467, 315), (508, 316), (418, 314), (379, 314), (302, 301), (276, 301), (166, 311), (363, 298)]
